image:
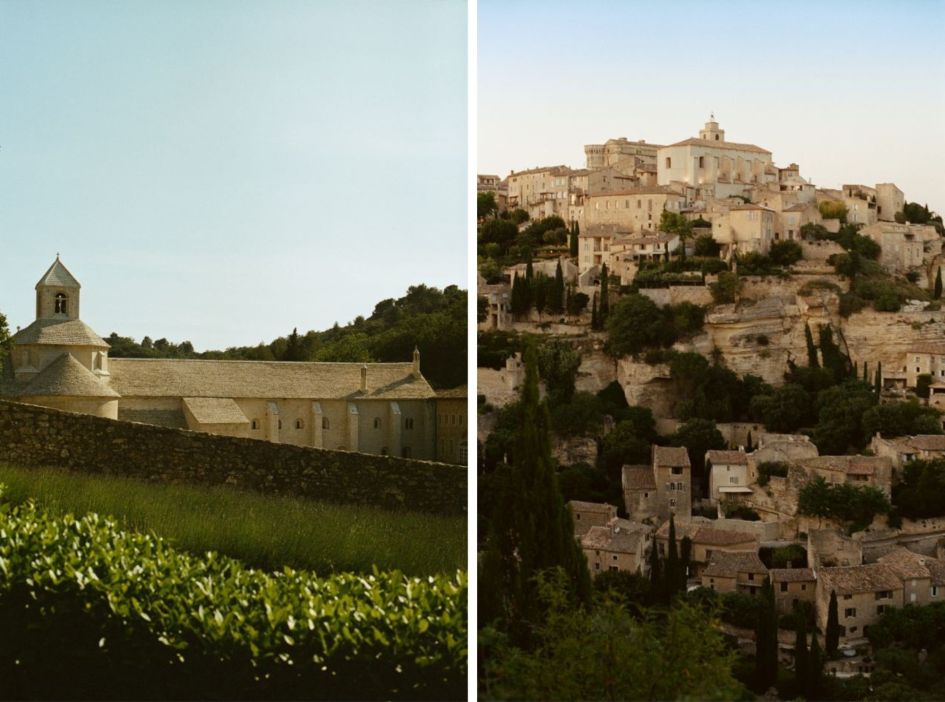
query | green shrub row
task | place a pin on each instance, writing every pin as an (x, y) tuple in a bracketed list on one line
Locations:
[(90, 611)]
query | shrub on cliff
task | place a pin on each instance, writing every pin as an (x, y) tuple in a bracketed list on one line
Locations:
[(91, 611)]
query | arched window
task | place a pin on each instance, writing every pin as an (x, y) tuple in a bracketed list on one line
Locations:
[(325, 423), (377, 422), (61, 303), (255, 424), (299, 424)]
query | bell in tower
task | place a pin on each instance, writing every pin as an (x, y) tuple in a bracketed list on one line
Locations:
[(57, 294), (711, 131)]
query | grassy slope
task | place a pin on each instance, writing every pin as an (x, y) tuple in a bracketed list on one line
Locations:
[(261, 530)]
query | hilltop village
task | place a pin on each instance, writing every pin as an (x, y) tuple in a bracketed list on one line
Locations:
[(743, 369)]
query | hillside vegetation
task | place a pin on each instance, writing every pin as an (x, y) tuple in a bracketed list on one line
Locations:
[(430, 319)]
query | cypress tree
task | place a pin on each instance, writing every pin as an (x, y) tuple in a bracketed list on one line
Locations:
[(574, 240), (938, 284), (878, 382), (557, 291), (685, 560), (866, 371), (812, 361), (656, 573), (801, 672), (595, 322), (515, 299), (749, 447), (672, 562), (815, 669), (531, 529), (832, 635), (766, 639), (604, 303)]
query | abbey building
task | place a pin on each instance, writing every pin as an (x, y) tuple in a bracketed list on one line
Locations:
[(381, 408)]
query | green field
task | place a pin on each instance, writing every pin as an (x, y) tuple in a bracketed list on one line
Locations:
[(262, 531)]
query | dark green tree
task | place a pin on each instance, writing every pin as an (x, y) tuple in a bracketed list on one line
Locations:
[(832, 634), (878, 382), (938, 285), (531, 529), (812, 361), (485, 205), (801, 672), (766, 639), (672, 562), (595, 317), (749, 447), (573, 249), (815, 669), (4, 340), (656, 572), (604, 309), (293, 349), (556, 299), (685, 560)]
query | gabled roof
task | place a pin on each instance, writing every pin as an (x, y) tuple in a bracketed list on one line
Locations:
[(671, 456), (59, 332), (728, 565), (638, 478), (619, 535), (215, 410), (58, 276), (460, 393), (730, 458), (66, 377), (711, 144), (600, 507), (851, 465), (848, 580), (140, 377), (791, 575)]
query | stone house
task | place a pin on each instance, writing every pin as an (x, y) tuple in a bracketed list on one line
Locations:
[(620, 154), (855, 470), (740, 229), (594, 245), (861, 204), (890, 200), (618, 545), (639, 492), (923, 578), (735, 572), (706, 541), (927, 358), (59, 362), (452, 408), (590, 514), (728, 474), (903, 449), (793, 586), (907, 247), (635, 209), (673, 475), (783, 448), (864, 592), (542, 192)]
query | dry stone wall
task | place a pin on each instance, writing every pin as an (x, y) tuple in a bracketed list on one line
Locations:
[(34, 436)]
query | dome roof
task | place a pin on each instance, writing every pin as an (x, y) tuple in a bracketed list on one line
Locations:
[(66, 377)]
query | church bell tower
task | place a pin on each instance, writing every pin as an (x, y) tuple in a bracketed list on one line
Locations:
[(57, 294)]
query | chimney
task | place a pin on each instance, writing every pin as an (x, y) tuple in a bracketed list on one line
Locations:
[(416, 362), (363, 378)]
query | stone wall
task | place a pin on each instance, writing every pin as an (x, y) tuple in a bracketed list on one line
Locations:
[(34, 436), (676, 294)]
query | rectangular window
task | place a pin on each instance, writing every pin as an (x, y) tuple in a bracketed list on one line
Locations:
[(669, 162), (702, 162), (783, 587), (677, 470), (849, 612)]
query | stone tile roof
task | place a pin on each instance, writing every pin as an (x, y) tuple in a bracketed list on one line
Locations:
[(733, 458), (215, 410), (936, 571), (642, 190), (735, 146), (927, 442), (618, 535), (851, 465), (707, 535), (601, 507), (59, 332), (139, 377), (936, 348), (638, 478), (909, 565), (172, 418), (849, 580), (68, 378), (671, 456), (605, 230), (58, 276), (460, 393), (728, 565), (555, 170), (791, 575)]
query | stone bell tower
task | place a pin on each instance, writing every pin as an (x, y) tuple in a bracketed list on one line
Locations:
[(57, 294), (711, 131)]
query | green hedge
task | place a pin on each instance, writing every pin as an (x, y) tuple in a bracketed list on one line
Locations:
[(90, 611)]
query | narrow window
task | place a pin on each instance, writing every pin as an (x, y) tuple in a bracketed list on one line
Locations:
[(377, 422), (669, 162), (299, 424), (61, 303), (408, 423), (325, 423), (255, 424), (280, 424)]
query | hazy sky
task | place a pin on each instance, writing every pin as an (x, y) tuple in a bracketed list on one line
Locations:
[(853, 91), (224, 171)]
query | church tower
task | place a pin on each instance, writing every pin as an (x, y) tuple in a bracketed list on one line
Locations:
[(57, 294), (711, 131)]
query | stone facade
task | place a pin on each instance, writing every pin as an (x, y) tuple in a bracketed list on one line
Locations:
[(39, 437)]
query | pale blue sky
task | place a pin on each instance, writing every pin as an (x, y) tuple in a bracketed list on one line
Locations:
[(853, 91), (224, 171)]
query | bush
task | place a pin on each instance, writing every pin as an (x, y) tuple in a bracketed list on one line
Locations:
[(741, 512), (785, 253), (706, 246), (739, 609), (769, 468), (726, 289), (852, 505), (850, 303), (113, 614)]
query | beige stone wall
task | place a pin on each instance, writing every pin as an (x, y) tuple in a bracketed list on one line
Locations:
[(46, 302), (889, 201), (787, 594), (451, 429), (35, 436), (38, 356), (635, 211), (865, 610), (599, 561)]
